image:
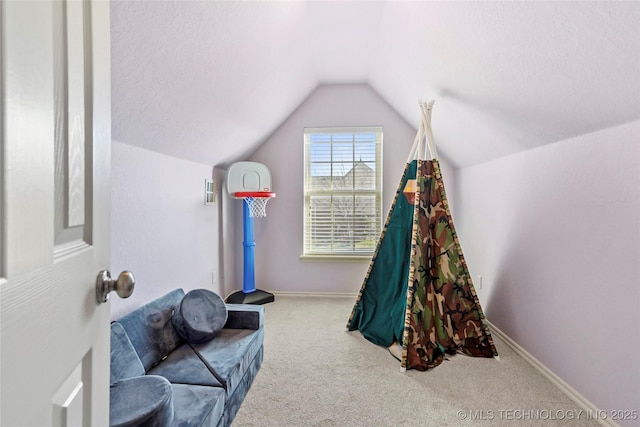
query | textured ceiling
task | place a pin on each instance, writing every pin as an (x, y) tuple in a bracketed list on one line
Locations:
[(209, 81)]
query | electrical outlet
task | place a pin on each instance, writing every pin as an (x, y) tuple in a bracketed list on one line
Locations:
[(479, 281)]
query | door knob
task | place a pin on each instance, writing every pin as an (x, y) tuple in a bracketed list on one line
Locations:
[(123, 285)]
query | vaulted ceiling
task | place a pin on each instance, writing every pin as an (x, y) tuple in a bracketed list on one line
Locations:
[(209, 81)]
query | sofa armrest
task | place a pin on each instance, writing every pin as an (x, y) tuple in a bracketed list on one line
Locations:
[(244, 316)]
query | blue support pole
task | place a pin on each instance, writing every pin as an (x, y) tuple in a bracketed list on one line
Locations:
[(249, 293), (249, 277)]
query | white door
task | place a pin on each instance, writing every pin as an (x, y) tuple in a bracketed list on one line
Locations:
[(55, 157)]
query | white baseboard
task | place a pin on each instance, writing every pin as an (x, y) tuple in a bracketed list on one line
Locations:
[(572, 393), (315, 294)]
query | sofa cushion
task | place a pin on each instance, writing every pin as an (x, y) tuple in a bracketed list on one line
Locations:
[(150, 328), (244, 316), (183, 366), (233, 402), (125, 362), (230, 354), (200, 316), (197, 406), (145, 401)]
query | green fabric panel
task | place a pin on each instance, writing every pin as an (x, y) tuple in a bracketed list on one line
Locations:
[(379, 314)]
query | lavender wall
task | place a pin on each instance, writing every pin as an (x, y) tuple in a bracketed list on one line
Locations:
[(279, 236), (555, 232), (160, 228)]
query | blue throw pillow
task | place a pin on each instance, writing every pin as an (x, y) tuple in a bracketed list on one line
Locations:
[(200, 316), (125, 362)]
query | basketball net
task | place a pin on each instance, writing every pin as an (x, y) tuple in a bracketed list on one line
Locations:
[(257, 206)]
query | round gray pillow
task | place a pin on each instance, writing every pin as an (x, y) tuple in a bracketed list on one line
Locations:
[(141, 401), (200, 316)]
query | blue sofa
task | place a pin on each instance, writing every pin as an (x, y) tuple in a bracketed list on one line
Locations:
[(160, 379)]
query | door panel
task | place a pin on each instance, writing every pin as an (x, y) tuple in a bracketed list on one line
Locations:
[(28, 96), (68, 401), (71, 136), (54, 336)]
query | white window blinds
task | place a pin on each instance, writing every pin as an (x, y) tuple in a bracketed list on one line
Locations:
[(342, 190)]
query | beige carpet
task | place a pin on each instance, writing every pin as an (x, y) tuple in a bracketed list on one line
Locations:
[(316, 374)]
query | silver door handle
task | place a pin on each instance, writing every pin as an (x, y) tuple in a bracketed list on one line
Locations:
[(105, 284)]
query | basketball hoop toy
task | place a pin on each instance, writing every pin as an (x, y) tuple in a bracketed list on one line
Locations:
[(251, 182)]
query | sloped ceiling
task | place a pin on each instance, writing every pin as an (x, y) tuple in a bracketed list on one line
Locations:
[(209, 81)]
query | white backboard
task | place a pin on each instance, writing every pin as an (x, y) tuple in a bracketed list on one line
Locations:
[(248, 176)]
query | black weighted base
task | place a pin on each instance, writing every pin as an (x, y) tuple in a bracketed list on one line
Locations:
[(258, 297)]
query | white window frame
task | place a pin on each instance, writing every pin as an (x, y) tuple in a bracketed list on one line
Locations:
[(354, 250)]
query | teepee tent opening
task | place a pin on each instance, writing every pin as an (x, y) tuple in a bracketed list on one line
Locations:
[(418, 293)]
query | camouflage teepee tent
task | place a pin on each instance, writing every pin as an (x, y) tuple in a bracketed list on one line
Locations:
[(418, 291)]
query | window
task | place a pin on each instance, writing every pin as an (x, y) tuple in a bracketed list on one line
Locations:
[(342, 191)]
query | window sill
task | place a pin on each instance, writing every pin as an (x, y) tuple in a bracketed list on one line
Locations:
[(336, 258)]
